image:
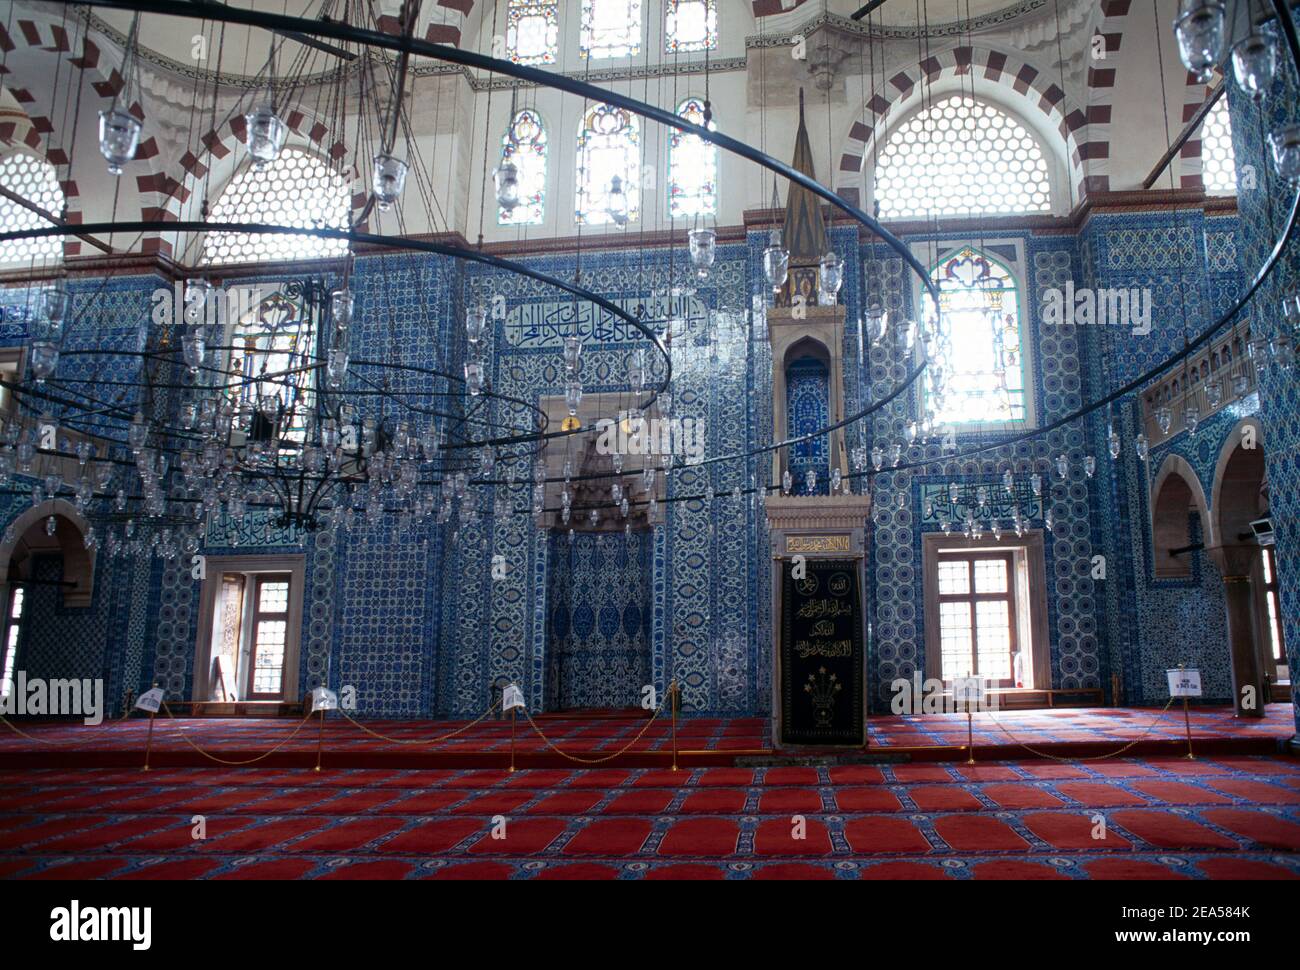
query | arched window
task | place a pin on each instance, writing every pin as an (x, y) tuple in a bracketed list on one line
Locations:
[(690, 25), (692, 167), (297, 189), (533, 31), (609, 147), (610, 28), (33, 179), (978, 349), (524, 143), (960, 157), (1218, 163)]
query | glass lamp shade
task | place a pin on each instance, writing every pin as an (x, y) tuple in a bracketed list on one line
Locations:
[(1089, 466), (119, 135), (810, 481), (1191, 418), (506, 178), (776, 266), (830, 278), (1254, 63), (1284, 144), (192, 346), (45, 357), (54, 302), (1200, 32), (787, 482), (342, 303), (572, 352), (1165, 419), (1142, 447), (474, 377), (387, 179), (1113, 443), (475, 322), (1214, 393), (702, 248), (336, 368), (876, 322), (1282, 349), (573, 398), (616, 202), (1036, 484), (264, 135)]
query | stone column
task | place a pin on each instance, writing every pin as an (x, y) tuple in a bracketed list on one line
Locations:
[(1235, 562)]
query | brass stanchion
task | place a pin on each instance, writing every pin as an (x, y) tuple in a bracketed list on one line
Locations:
[(1187, 724), (320, 737), (672, 700), (514, 719), (148, 744), (970, 737)]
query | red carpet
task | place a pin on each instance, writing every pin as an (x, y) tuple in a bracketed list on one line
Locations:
[(1224, 817)]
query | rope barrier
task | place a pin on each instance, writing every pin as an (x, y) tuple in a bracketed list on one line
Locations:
[(450, 734), (248, 761), (108, 726), (1101, 757), (597, 761), (577, 759)]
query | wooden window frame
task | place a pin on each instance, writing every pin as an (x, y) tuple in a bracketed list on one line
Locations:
[(973, 598), (253, 566), (1029, 556), (257, 617)]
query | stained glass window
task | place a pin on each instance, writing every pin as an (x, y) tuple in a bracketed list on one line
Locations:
[(524, 143), (297, 189), (609, 147), (957, 157), (1218, 163), (272, 346), (978, 357), (692, 167), (532, 31), (33, 179), (610, 28), (690, 25)]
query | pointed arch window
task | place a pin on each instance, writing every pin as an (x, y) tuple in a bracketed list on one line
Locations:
[(692, 167), (977, 372), (609, 148), (533, 31), (960, 157), (610, 28), (33, 179), (524, 143), (690, 25), (1218, 162), (298, 189)]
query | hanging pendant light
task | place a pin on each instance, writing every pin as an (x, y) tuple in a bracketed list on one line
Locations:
[(1191, 418), (1142, 447), (787, 482), (193, 346), (1200, 32), (1214, 393), (1254, 64), (1164, 419), (506, 179), (1284, 144), (387, 180), (830, 277), (616, 205), (776, 265), (573, 397), (336, 368), (701, 247), (119, 136), (342, 305), (877, 321), (1009, 481), (474, 377), (1089, 466), (44, 358), (475, 322), (1113, 443), (264, 134)]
